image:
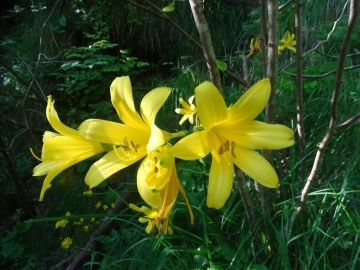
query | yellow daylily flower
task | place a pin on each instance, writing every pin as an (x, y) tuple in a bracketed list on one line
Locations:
[(63, 149), (159, 186), (188, 110), (288, 42), (132, 140), (255, 46), (232, 134)]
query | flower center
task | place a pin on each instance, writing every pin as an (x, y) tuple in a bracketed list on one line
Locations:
[(128, 150), (227, 146), (160, 160)]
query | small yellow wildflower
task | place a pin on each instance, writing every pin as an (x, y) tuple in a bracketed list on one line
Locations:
[(93, 219), (86, 228), (98, 204), (288, 42), (113, 205), (88, 192), (61, 223), (68, 214), (105, 207), (188, 111), (66, 243), (81, 220)]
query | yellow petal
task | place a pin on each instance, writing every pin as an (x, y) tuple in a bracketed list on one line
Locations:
[(152, 102), (251, 103), (210, 105), (44, 167), (151, 198), (158, 138), (64, 147), (134, 207), (221, 178), (255, 166), (149, 227), (112, 133), (123, 102), (257, 135), (59, 168), (152, 179), (105, 167), (55, 122), (191, 147)]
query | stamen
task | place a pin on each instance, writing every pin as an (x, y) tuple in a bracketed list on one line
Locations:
[(132, 144), (125, 151), (155, 168), (226, 146), (232, 149), (221, 149), (35, 155)]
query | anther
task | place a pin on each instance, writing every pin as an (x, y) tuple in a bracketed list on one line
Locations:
[(221, 149), (232, 149)]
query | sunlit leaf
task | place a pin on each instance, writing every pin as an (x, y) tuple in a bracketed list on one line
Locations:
[(169, 8), (221, 65)]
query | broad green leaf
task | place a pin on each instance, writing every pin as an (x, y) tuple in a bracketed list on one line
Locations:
[(221, 65), (62, 21), (169, 8)]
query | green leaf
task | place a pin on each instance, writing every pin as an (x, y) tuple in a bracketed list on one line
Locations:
[(62, 21), (221, 65), (258, 267), (169, 8)]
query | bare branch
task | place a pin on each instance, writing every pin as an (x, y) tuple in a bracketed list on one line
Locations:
[(348, 122), (299, 88), (285, 5), (321, 75), (354, 12), (206, 42)]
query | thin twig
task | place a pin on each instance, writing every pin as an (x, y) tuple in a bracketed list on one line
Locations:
[(299, 88), (245, 196), (354, 12), (264, 36), (321, 75), (285, 5), (348, 122)]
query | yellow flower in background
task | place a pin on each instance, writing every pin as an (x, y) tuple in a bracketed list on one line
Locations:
[(61, 223), (232, 135), (132, 140), (86, 228), (151, 217), (288, 42), (255, 46), (105, 207), (113, 205), (98, 204), (159, 186), (62, 150), (88, 192), (188, 110), (66, 243), (68, 214)]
